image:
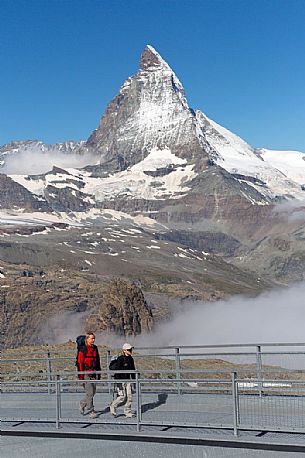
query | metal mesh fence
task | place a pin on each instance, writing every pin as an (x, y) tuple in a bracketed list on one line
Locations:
[(273, 405), (237, 404), (19, 405)]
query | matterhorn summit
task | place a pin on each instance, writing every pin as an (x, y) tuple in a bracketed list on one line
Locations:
[(150, 111)]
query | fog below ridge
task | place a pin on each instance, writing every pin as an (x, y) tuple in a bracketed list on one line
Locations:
[(276, 316)]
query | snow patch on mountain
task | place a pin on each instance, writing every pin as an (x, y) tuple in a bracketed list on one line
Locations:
[(158, 158), (290, 163), (76, 219), (133, 182)]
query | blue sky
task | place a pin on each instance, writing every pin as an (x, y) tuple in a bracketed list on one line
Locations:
[(241, 62)]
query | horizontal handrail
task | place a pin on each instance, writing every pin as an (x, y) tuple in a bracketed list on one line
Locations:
[(164, 371), (156, 355), (46, 358), (173, 347)]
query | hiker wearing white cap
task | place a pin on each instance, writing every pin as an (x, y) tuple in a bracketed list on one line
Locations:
[(124, 392)]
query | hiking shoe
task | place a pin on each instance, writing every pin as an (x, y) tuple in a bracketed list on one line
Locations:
[(82, 408), (92, 414), (129, 415)]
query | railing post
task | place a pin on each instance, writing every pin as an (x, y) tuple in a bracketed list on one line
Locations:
[(259, 368), (108, 359), (235, 403), (60, 391), (49, 372), (178, 369), (58, 401), (139, 406)]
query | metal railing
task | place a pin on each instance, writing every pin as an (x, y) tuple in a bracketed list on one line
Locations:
[(248, 360), (234, 403)]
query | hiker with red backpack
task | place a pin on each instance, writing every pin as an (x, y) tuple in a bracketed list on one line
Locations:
[(88, 360)]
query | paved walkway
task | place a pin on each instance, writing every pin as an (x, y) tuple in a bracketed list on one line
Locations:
[(160, 434)]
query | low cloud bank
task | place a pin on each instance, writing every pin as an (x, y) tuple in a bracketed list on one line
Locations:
[(63, 327), (293, 210), (276, 316), (34, 161)]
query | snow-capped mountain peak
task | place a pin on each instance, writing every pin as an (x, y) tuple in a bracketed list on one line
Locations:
[(150, 111), (155, 150)]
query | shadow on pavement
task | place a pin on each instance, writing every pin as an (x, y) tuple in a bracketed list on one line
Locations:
[(152, 405), (101, 412)]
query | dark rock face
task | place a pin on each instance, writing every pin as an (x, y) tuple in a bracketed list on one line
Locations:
[(123, 310), (67, 199), (30, 230), (13, 195), (212, 242)]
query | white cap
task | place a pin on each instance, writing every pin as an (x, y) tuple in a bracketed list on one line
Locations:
[(127, 346)]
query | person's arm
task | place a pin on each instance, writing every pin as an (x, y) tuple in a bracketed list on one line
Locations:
[(133, 368), (118, 376), (80, 361), (120, 362), (119, 366), (98, 363)]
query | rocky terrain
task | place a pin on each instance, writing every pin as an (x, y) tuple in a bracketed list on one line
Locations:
[(115, 279), (38, 306)]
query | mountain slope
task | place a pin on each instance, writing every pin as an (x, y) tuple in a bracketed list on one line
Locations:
[(271, 173)]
